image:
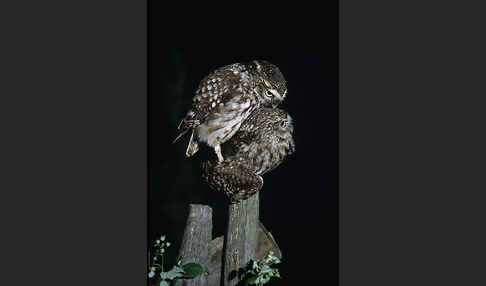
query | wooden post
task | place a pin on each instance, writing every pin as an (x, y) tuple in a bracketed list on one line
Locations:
[(197, 231), (241, 238), (266, 243), (196, 240)]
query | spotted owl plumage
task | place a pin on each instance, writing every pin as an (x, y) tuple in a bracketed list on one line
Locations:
[(226, 97), (263, 141)]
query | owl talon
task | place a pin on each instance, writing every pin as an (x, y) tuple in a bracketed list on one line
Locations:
[(217, 149)]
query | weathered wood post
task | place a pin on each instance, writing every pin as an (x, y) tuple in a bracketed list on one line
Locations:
[(241, 238), (243, 230), (196, 241)]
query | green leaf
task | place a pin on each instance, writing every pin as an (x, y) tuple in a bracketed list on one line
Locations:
[(175, 272), (266, 269), (163, 283), (192, 270), (151, 274), (251, 280), (265, 280)]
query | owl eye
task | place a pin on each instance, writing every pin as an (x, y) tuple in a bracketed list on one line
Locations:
[(268, 93), (283, 124)]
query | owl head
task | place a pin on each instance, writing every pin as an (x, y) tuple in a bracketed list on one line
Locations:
[(273, 125), (271, 83), (283, 127)]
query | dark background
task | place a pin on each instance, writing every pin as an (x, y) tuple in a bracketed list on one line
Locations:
[(299, 200), (411, 141)]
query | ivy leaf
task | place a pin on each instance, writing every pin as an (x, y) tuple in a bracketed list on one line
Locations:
[(192, 270), (163, 283), (151, 274)]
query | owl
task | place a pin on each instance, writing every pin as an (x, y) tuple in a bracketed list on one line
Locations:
[(225, 98), (263, 141)]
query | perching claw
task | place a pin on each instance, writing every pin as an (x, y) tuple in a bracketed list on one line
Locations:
[(217, 149), (193, 147)]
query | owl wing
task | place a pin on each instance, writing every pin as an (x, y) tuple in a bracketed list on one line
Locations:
[(250, 130), (232, 178), (242, 140), (220, 91)]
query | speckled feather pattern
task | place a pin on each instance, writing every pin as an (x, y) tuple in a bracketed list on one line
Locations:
[(227, 96), (263, 141), (233, 179)]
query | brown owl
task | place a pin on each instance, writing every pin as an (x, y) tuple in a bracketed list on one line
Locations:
[(225, 98), (263, 141)]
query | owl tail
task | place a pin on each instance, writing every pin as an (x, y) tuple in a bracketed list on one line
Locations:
[(193, 147), (180, 135), (184, 128)]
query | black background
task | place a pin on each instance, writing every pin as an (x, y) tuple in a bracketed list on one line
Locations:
[(411, 146), (299, 201)]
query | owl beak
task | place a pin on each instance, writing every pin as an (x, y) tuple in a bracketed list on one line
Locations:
[(291, 129), (275, 102)]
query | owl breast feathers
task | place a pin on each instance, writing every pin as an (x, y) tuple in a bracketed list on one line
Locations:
[(226, 97), (263, 141)]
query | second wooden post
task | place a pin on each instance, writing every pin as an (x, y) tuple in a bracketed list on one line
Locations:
[(241, 238)]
